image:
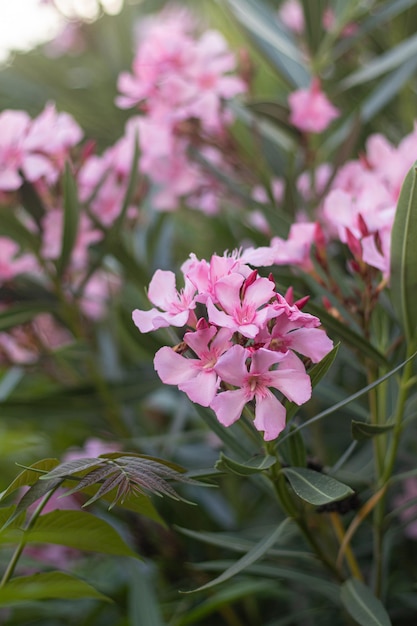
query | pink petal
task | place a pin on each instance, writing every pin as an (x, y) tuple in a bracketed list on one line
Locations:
[(231, 366), (311, 342), (269, 416), (228, 406), (172, 368), (201, 389)]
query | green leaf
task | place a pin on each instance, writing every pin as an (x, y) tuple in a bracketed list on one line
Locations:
[(362, 605), (314, 487), (404, 255), (79, 530), (142, 600), (29, 476), (342, 330), (71, 218), (393, 58), (380, 15), (235, 543), (254, 466), (363, 430), (272, 39), (297, 455), (307, 581), (47, 586), (313, 19), (254, 554), (224, 597), (317, 372), (346, 401), (23, 313)]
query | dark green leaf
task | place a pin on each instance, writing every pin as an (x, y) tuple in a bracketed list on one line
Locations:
[(254, 554), (314, 487), (317, 372), (224, 597), (362, 605), (254, 466), (71, 219), (404, 256), (363, 430), (46, 586)]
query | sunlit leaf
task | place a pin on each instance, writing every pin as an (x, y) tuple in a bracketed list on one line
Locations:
[(29, 476), (46, 586), (271, 39), (79, 530)]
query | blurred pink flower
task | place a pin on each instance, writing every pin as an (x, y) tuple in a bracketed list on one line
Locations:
[(310, 109), (409, 514)]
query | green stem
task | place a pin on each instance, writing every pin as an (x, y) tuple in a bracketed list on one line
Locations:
[(289, 507), (21, 546), (387, 469), (111, 408)]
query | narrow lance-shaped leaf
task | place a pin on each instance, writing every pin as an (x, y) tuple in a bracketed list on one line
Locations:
[(343, 403), (316, 488), (363, 430), (404, 256), (254, 466), (254, 554), (317, 372), (272, 40), (71, 219), (362, 605)]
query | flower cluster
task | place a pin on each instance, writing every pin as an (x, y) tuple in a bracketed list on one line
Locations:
[(180, 83), (247, 342), (37, 148), (358, 210)]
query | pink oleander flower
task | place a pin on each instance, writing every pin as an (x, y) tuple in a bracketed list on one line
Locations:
[(52, 225), (175, 79), (175, 307), (292, 15), (205, 275), (295, 250), (249, 338), (49, 139), (13, 264), (196, 377), (254, 384), (310, 109), (243, 304), (37, 148), (14, 126), (297, 331)]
